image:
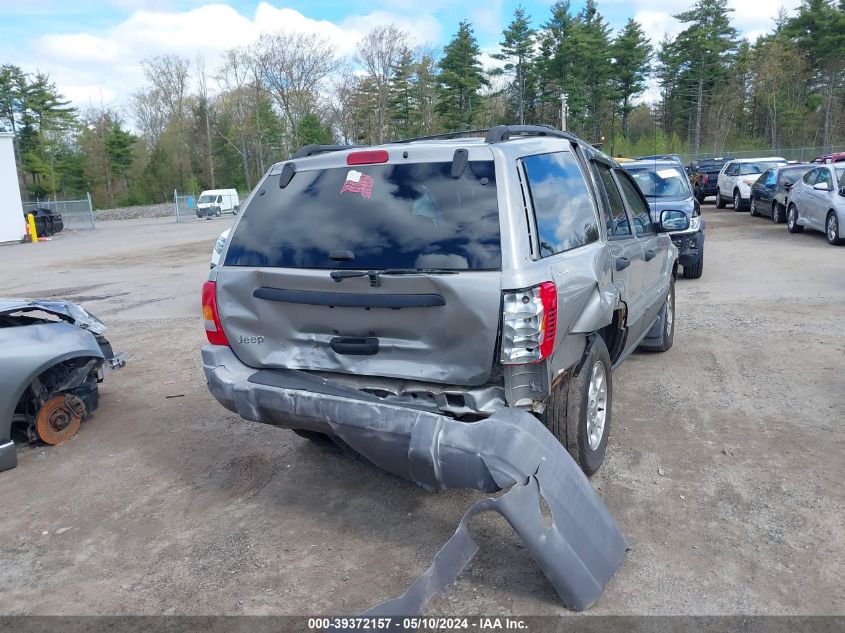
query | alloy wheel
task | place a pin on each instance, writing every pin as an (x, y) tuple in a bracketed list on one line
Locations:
[(597, 405)]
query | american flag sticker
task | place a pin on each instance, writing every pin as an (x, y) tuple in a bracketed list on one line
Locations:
[(356, 182)]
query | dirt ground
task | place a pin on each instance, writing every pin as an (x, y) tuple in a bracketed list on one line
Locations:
[(165, 503)]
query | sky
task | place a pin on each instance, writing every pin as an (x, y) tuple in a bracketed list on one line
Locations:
[(92, 48)]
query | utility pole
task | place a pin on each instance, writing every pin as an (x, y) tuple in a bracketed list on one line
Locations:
[(563, 112)]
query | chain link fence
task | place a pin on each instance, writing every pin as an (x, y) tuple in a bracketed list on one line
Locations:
[(801, 154), (190, 206), (76, 214)]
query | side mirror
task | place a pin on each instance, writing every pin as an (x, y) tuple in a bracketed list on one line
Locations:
[(842, 191), (821, 186), (671, 220)]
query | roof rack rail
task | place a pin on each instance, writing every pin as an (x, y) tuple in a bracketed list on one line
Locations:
[(444, 136), (502, 133), (313, 150)]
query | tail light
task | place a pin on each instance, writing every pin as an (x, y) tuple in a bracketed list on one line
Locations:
[(213, 329), (705, 179), (529, 324)]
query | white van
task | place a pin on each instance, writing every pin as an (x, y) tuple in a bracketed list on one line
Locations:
[(216, 201)]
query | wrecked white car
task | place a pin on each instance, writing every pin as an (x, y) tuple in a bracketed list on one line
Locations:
[(52, 356)]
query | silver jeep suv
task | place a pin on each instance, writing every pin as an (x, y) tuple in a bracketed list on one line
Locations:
[(455, 275)]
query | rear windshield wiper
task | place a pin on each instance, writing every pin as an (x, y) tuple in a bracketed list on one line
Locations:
[(340, 275)]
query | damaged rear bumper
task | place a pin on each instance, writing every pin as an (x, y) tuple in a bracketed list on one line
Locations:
[(578, 551)]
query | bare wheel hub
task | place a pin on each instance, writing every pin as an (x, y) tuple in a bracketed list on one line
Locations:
[(59, 418)]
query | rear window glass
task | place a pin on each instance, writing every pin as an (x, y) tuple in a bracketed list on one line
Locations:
[(387, 216)]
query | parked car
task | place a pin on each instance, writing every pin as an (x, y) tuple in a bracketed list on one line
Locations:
[(817, 202), (830, 158), (52, 356), (770, 190), (704, 175), (738, 175), (214, 202), (47, 221), (666, 186), (410, 277), (219, 245)]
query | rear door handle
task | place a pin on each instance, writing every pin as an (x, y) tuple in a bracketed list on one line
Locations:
[(355, 346), (622, 263), (650, 254)]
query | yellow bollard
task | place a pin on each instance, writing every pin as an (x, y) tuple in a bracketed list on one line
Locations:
[(30, 218)]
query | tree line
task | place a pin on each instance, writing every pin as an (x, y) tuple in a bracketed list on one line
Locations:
[(191, 128)]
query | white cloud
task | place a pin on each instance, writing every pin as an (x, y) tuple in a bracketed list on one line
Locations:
[(93, 68)]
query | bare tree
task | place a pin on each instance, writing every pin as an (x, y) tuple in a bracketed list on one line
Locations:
[(150, 114), (170, 75), (205, 105), (378, 53), (293, 67)]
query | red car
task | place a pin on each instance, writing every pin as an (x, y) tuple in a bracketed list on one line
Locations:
[(830, 158)]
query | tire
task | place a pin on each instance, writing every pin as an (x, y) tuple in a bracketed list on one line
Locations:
[(699, 195), (832, 231), (720, 202), (574, 410), (754, 212), (668, 321), (696, 270), (217, 212), (776, 213), (792, 220), (737, 201)]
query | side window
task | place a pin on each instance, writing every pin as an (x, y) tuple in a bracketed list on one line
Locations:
[(810, 177), (219, 198), (640, 211), (732, 170), (614, 208), (771, 177), (563, 207), (824, 176)]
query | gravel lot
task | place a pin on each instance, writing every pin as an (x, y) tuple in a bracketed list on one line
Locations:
[(165, 503)]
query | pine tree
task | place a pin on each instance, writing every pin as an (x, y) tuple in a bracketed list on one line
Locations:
[(631, 52), (706, 47), (461, 77), (517, 51)]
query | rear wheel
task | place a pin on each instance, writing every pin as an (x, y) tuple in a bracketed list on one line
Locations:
[(578, 410), (720, 201), (832, 229), (792, 220), (737, 200), (699, 195), (776, 213)]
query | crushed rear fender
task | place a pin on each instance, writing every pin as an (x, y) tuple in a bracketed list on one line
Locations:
[(578, 552)]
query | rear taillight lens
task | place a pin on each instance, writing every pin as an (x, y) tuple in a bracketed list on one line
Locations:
[(529, 324), (704, 179), (213, 329)]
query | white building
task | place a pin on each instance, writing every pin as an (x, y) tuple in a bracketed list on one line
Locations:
[(12, 223)]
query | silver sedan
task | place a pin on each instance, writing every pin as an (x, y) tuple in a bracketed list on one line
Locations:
[(817, 202)]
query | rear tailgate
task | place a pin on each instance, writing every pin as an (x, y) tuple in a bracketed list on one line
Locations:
[(427, 303)]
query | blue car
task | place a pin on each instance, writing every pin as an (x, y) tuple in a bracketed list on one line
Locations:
[(666, 186)]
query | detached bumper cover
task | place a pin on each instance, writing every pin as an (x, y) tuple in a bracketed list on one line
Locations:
[(579, 551)]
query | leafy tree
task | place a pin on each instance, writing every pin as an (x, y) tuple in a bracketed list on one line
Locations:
[(460, 79), (310, 130), (819, 31)]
